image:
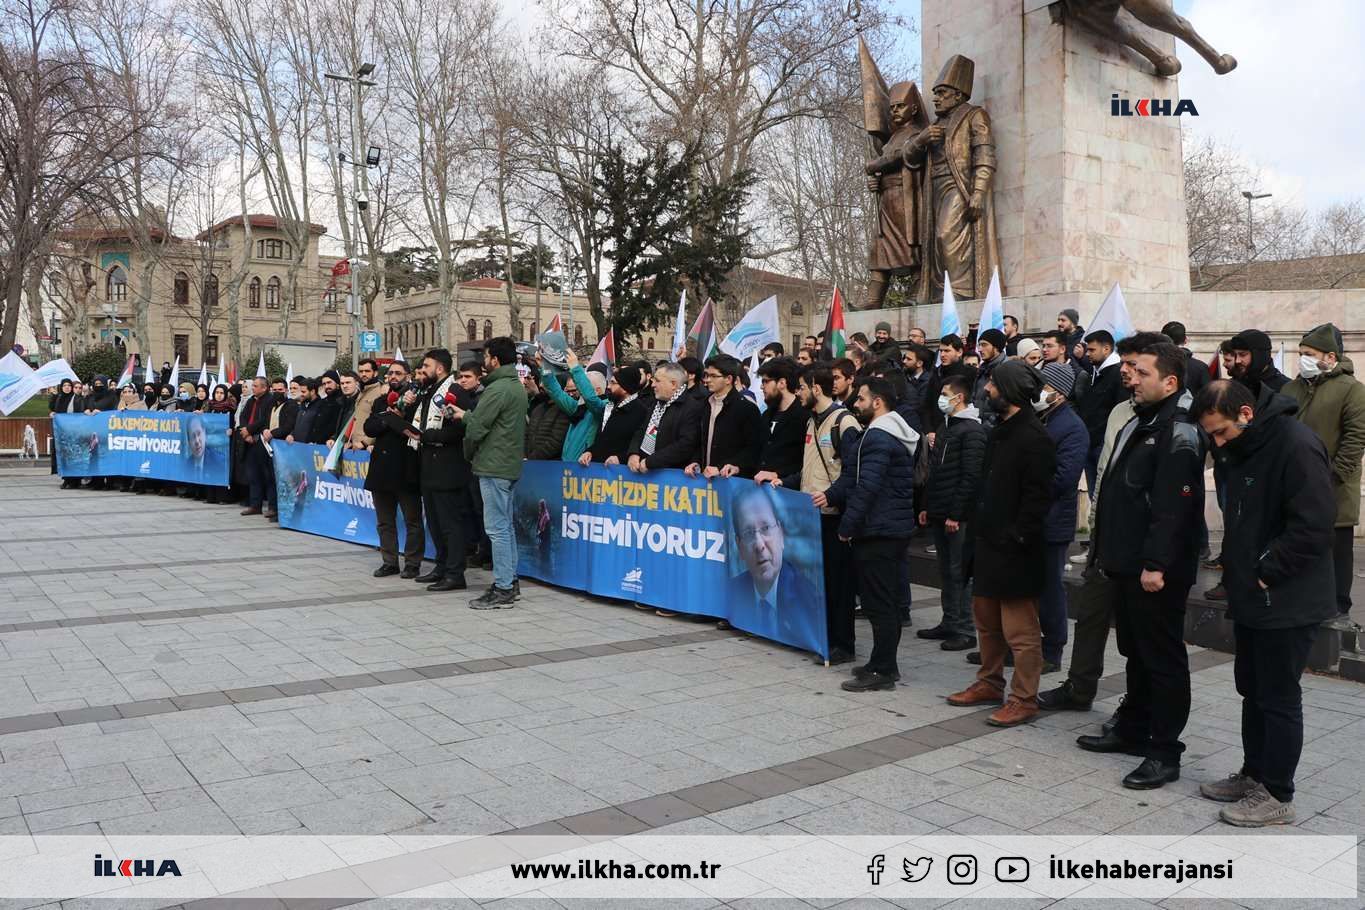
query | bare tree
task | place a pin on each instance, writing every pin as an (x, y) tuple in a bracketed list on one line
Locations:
[(1216, 216), (1339, 233), (432, 51), (245, 58), (61, 135)]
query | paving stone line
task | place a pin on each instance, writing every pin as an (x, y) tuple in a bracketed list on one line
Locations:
[(177, 564), (217, 697), (130, 535), (191, 612)]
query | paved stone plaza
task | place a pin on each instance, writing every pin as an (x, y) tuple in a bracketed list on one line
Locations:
[(174, 668)]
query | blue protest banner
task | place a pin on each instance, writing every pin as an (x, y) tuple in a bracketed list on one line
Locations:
[(727, 548), (186, 447), (317, 501)]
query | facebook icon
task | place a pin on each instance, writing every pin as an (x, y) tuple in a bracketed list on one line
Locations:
[(876, 867)]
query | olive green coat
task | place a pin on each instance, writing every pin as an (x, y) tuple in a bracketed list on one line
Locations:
[(1333, 405)]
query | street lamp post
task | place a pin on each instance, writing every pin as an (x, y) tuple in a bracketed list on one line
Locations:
[(358, 201), (1250, 196)]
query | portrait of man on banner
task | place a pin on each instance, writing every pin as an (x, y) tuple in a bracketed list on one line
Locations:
[(771, 596)]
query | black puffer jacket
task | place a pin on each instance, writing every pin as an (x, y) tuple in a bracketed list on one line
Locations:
[(1277, 516), (1152, 497), (546, 427), (955, 468)]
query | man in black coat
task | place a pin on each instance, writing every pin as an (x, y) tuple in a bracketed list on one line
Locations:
[(949, 364), (730, 433), (283, 413), (445, 474), (546, 422), (1278, 571), (624, 414), (1196, 370), (254, 422), (1006, 547), (1253, 364), (783, 442), (325, 424), (671, 435), (393, 475), (309, 405), (1098, 390), (949, 500), (1146, 539)]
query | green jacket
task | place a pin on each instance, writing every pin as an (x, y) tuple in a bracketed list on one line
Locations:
[(495, 431), (1334, 407)]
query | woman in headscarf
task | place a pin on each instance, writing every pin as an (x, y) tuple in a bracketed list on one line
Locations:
[(66, 401), (129, 399), (201, 395), (220, 403), (149, 395)]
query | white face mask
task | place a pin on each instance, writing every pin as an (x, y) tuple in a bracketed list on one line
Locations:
[(1041, 403), (945, 404), (1309, 368)]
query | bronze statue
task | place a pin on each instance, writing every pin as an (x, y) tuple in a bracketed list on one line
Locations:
[(957, 154), (1112, 19), (892, 117)]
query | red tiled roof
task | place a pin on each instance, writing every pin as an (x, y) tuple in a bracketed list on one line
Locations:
[(264, 222)]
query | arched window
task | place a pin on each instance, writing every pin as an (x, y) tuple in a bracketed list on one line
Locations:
[(211, 290), (650, 346), (116, 284), (421, 333), (578, 336), (329, 301), (487, 329), (535, 330), (797, 309), (434, 339), (182, 290), (471, 331), (272, 293), (253, 294)]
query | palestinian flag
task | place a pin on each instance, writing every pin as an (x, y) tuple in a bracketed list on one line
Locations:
[(556, 324), (836, 339), (126, 376), (704, 333), (606, 352), (333, 462)]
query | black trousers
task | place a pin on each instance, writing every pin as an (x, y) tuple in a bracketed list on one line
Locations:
[(1267, 669), (1343, 561), (877, 561), (1151, 633), (840, 590), (445, 522), (1093, 606), (260, 472), (386, 506)]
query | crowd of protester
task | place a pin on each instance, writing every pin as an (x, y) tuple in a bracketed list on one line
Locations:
[(981, 451)]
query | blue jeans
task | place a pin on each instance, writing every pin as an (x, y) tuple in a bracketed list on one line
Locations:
[(955, 591), (1052, 608), (497, 522)]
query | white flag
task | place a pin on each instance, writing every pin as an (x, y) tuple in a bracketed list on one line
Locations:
[(260, 366), (993, 310), (174, 382), (754, 383), (152, 377), (679, 327), (18, 382), (1112, 316), (222, 371), (50, 374), (758, 327), (948, 323), (288, 374), (203, 375), (398, 354), (1278, 359)]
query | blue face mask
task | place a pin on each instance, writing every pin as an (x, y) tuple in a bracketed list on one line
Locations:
[(184, 396)]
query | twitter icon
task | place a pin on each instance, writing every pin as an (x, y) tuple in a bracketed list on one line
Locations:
[(918, 869)]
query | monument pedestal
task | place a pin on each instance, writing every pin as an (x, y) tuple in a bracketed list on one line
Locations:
[(1082, 198)]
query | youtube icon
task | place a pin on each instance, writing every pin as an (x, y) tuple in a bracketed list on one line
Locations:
[(1011, 869)]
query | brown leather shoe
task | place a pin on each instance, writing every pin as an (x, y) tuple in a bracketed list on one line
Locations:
[(978, 693), (1014, 713), (251, 510)]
